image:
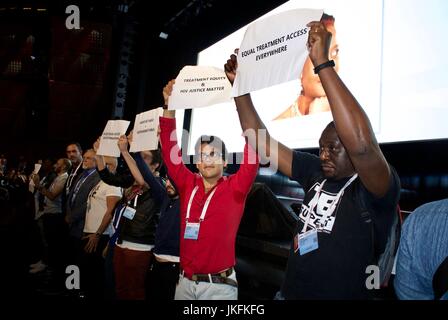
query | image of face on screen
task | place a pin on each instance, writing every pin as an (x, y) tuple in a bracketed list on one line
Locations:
[(312, 98)]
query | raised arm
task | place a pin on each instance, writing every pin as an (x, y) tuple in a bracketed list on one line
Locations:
[(246, 174), (117, 180), (249, 119), (157, 188), (171, 152), (166, 96), (351, 122), (123, 146), (100, 164)]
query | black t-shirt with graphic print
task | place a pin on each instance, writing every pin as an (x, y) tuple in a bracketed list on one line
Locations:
[(337, 269)]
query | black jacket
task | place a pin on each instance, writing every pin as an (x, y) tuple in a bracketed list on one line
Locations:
[(76, 209), (142, 228)]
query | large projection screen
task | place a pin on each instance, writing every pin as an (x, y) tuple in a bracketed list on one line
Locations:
[(391, 57)]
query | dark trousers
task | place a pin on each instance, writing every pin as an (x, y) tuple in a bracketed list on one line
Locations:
[(92, 270), (56, 236), (163, 278), (131, 268), (109, 273), (36, 241), (75, 251)]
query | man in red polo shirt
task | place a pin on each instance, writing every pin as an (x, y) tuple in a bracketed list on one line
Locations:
[(211, 209)]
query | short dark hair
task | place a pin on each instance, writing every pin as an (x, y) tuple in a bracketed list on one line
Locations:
[(167, 177), (327, 20), (330, 125), (156, 157), (214, 141), (77, 144)]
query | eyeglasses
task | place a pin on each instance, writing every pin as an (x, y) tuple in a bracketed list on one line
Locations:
[(214, 155)]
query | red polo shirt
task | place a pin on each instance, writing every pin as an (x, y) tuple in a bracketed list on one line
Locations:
[(214, 250)]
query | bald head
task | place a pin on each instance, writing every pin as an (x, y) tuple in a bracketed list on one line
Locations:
[(330, 126), (89, 161), (335, 161)]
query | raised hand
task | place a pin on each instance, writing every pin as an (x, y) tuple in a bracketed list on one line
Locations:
[(231, 66), (167, 90), (130, 136), (319, 40), (123, 143)]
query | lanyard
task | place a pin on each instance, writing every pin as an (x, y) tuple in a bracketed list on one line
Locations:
[(331, 208), (79, 184), (204, 209), (71, 177), (117, 217), (133, 193)]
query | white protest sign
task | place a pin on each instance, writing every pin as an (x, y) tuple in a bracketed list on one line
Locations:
[(273, 50), (144, 135), (108, 142), (198, 86)]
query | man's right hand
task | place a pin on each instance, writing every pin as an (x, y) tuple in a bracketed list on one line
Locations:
[(123, 144), (319, 40), (231, 66), (130, 136), (167, 90)]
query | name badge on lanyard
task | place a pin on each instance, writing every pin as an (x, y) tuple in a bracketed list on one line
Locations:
[(192, 231), (129, 212), (192, 228), (306, 242)]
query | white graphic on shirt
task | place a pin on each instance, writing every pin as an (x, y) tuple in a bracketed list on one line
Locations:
[(323, 215)]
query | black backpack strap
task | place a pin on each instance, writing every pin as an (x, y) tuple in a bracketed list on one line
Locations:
[(385, 259), (440, 280)]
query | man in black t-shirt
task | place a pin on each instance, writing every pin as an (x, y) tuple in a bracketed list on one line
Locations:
[(349, 184), (334, 206)]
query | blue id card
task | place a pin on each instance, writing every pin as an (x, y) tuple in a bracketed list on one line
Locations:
[(129, 213), (306, 242), (191, 231)]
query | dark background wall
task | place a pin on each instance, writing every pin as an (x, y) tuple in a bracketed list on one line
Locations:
[(59, 85)]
